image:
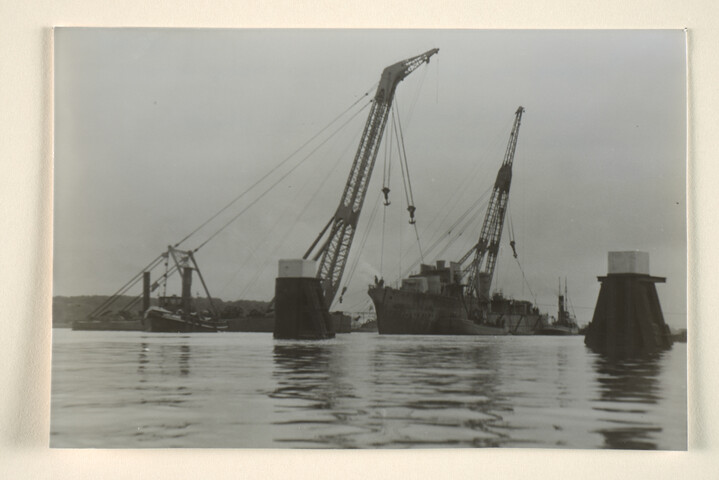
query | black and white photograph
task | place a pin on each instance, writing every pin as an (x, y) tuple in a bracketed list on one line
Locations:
[(369, 239)]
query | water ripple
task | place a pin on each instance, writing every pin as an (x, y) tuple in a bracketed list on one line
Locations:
[(132, 389)]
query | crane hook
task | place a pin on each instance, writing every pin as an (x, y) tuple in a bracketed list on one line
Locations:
[(411, 210), (344, 289), (385, 191)]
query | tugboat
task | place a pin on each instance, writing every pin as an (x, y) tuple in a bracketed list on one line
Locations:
[(178, 314), (170, 317), (171, 314), (566, 323)]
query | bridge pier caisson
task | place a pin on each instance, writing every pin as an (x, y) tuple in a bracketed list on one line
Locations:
[(628, 318), (301, 312)]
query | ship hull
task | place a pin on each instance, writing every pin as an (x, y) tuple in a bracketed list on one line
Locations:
[(557, 330), (402, 312), (161, 320)]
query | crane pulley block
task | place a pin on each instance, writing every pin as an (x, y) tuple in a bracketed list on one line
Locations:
[(411, 209), (386, 191)]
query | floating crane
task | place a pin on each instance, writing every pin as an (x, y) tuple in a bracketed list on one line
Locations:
[(335, 249), (485, 251), (302, 302), (332, 255)]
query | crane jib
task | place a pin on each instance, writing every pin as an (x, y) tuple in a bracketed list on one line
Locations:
[(394, 74), (335, 249), (486, 250)]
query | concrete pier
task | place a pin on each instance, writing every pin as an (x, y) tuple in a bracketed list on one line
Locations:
[(628, 319), (301, 312)]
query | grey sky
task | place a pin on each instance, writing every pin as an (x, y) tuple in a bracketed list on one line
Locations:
[(158, 129)]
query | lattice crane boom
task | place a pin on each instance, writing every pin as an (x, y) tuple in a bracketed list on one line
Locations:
[(335, 250), (487, 248)]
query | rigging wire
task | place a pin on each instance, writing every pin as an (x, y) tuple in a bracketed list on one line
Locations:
[(399, 257), (164, 284), (419, 245), (401, 163), (357, 256), (411, 194), (454, 199), (513, 244), (467, 180), (458, 228), (386, 172), (404, 166), (137, 298), (414, 97), (285, 236), (524, 278), (275, 168), (403, 159), (510, 230), (271, 187), (567, 299), (381, 255), (132, 282), (470, 222), (387, 169), (385, 191), (250, 257)]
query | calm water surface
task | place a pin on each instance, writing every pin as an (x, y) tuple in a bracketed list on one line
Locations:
[(362, 390)]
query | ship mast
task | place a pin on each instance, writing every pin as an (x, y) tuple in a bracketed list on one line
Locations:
[(481, 271)]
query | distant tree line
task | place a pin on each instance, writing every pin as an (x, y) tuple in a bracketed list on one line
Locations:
[(65, 310)]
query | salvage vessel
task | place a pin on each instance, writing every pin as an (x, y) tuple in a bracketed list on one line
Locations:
[(565, 323), (170, 317), (430, 303), (171, 313), (179, 314), (454, 300)]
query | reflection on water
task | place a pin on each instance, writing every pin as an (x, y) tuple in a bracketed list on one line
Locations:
[(160, 370), (313, 394), (628, 381), (310, 373), (629, 387), (167, 360), (392, 394), (444, 394), (172, 361), (133, 389)]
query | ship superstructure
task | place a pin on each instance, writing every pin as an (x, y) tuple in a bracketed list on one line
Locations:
[(454, 299)]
